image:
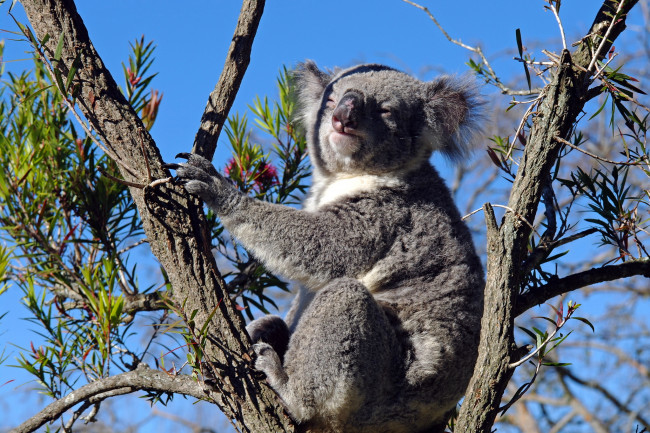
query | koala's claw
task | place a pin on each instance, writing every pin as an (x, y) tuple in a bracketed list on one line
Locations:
[(171, 166), (269, 363), (184, 155)]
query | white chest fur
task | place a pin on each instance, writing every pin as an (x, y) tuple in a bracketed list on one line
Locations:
[(329, 190)]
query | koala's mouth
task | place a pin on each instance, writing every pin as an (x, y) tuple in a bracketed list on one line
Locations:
[(344, 143)]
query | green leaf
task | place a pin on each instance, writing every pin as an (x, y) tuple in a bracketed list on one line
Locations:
[(520, 47), (529, 332), (585, 321), (72, 72), (556, 364), (59, 48)]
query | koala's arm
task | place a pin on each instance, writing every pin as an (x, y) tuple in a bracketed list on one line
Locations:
[(301, 245)]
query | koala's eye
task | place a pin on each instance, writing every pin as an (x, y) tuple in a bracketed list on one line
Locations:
[(331, 103)]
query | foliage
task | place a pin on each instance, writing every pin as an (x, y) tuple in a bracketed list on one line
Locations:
[(69, 228), (278, 176)]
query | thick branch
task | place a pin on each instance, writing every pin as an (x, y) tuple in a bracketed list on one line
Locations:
[(562, 101), (223, 95), (173, 223), (496, 343), (581, 279), (143, 378)]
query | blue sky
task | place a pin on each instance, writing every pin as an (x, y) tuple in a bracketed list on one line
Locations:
[(192, 42)]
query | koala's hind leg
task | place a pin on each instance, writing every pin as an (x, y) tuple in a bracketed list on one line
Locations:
[(342, 355), (270, 329)]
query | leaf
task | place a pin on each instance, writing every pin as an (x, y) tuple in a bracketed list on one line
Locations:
[(520, 47), (72, 72), (493, 156), (519, 44), (59, 48), (530, 333), (585, 321), (547, 319)]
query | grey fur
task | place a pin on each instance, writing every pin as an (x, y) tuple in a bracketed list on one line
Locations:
[(385, 333)]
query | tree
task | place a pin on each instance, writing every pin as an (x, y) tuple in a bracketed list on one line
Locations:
[(179, 234)]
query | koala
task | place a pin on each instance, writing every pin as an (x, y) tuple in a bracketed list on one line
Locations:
[(383, 334)]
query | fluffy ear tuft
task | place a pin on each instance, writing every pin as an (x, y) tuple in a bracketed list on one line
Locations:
[(454, 113), (309, 83)]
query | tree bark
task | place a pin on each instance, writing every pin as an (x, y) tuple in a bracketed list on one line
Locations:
[(142, 378), (563, 100), (173, 222)]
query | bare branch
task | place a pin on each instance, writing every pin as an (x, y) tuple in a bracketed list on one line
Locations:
[(607, 394), (553, 9), (223, 95), (582, 279), (599, 158), (478, 51), (143, 378), (604, 41)]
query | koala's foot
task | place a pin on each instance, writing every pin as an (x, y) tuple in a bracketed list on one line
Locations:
[(269, 363), (272, 330)]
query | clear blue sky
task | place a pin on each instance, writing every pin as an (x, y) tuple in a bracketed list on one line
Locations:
[(192, 41)]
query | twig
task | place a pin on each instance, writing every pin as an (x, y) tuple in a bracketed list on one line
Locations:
[(506, 208), (130, 247), (599, 71), (523, 391), (553, 9), (77, 413), (539, 348), (478, 51), (160, 181), (604, 39), (599, 158), (118, 180), (531, 62), (522, 123)]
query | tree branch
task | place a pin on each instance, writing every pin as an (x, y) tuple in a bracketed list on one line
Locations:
[(622, 407), (561, 102), (559, 286), (142, 378), (173, 222), (222, 97)]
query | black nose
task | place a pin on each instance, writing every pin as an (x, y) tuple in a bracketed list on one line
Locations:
[(346, 114)]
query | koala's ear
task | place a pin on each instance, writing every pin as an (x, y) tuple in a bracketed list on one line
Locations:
[(453, 112), (309, 82)]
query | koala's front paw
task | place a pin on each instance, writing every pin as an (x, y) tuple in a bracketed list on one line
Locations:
[(269, 363), (200, 178)]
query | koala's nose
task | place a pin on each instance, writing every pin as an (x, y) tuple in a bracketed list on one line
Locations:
[(346, 114)]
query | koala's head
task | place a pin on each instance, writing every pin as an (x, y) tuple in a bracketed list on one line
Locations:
[(374, 119)]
